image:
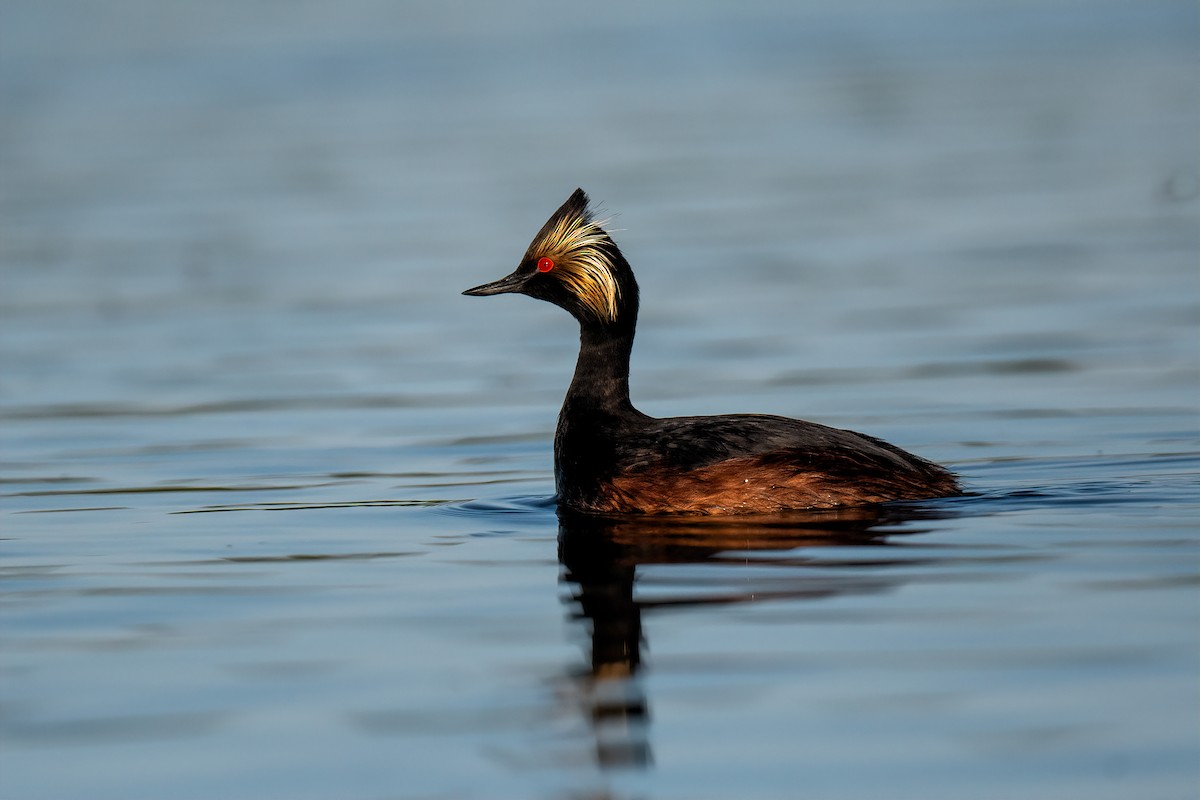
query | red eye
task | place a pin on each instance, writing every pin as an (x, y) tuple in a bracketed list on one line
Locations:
[(545, 265)]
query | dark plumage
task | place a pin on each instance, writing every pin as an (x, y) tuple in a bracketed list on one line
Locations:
[(611, 458)]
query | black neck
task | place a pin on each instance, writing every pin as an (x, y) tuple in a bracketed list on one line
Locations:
[(601, 381), (602, 372)]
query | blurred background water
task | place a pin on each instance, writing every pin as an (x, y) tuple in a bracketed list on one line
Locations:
[(277, 514)]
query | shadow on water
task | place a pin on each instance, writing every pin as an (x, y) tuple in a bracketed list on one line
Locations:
[(602, 559)]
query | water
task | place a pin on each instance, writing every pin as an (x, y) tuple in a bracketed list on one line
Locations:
[(276, 501)]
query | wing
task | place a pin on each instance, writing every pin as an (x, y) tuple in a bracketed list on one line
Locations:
[(686, 443), (758, 463)]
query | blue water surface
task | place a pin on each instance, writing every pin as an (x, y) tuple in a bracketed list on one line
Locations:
[(276, 502)]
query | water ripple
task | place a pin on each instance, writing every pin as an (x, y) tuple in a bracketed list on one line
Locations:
[(523, 504), (315, 506)]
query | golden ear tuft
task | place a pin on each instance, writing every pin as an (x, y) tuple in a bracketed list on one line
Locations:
[(577, 246)]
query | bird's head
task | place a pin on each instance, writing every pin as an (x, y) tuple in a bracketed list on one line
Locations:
[(573, 263)]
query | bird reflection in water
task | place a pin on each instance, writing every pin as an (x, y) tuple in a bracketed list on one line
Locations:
[(600, 558)]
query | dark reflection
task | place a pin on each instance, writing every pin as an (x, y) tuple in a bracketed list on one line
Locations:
[(600, 559)]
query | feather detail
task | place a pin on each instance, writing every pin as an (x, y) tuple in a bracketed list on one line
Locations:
[(578, 245)]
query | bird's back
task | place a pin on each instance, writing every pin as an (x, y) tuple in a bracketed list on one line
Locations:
[(737, 463)]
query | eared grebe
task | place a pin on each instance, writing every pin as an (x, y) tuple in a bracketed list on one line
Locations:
[(611, 458)]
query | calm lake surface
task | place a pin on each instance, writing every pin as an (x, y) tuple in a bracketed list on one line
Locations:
[(276, 502)]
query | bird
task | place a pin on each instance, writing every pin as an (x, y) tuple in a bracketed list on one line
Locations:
[(611, 459)]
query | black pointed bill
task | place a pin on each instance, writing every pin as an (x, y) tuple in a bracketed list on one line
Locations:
[(509, 283)]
